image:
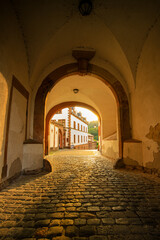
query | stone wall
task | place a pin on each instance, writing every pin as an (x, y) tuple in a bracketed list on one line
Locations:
[(146, 100), (110, 149)]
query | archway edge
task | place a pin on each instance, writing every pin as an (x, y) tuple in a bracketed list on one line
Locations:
[(71, 69), (62, 105), (57, 107)]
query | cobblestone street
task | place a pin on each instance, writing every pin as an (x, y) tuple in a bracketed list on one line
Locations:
[(83, 198)]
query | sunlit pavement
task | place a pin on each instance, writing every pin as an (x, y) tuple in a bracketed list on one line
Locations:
[(83, 198), (75, 152)]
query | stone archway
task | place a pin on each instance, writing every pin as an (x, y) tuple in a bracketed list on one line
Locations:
[(59, 107), (70, 69)]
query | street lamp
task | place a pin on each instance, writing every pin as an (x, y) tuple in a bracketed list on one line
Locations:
[(75, 90), (85, 7)]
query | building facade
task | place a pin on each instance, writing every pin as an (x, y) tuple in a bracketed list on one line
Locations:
[(91, 143), (56, 136), (68, 129)]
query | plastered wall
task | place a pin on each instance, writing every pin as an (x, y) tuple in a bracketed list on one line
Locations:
[(146, 100), (13, 62), (110, 148), (17, 128)]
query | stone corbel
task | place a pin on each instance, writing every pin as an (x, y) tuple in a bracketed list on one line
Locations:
[(83, 56)]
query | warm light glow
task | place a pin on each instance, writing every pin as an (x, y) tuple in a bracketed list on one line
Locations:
[(90, 116), (3, 103)]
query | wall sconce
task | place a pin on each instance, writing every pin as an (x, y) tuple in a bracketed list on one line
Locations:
[(85, 7), (75, 90)]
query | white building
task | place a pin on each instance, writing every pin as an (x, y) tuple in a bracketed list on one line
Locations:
[(75, 130)]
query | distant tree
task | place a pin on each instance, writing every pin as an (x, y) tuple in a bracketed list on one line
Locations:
[(93, 129)]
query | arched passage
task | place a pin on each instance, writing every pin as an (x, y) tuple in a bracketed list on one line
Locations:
[(71, 69), (59, 107)]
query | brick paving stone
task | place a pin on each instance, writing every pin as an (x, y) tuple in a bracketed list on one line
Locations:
[(87, 215), (93, 221), (121, 229), (28, 224), (81, 209), (61, 238), (93, 209), (60, 205), (71, 209), (42, 223), (29, 238), (126, 237), (108, 221), (87, 204), (71, 215), (79, 238), (87, 231), (83, 198), (66, 222), (55, 222), (79, 221), (8, 224), (41, 232), (54, 231), (56, 215), (138, 229), (60, 209), (98, 237), (122, 221), (103, 214), (118, 208), (72, 231), (135, 221), (77, 204), (105, 230)]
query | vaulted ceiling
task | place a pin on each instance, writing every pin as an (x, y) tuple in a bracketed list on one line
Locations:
[(116, 29)]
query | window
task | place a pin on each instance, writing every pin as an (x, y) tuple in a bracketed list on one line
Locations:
[(78, 126), (74, 138), (78, 138), (86, 138), (81, 139), (74, 125), (62, 122), (81, 127)]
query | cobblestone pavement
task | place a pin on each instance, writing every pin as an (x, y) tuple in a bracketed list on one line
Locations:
[(83, 198)]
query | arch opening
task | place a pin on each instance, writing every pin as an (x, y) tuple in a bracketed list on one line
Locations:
[(103, 76), (65, 118)]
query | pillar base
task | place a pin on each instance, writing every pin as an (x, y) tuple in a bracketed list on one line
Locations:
[(32, 156)]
